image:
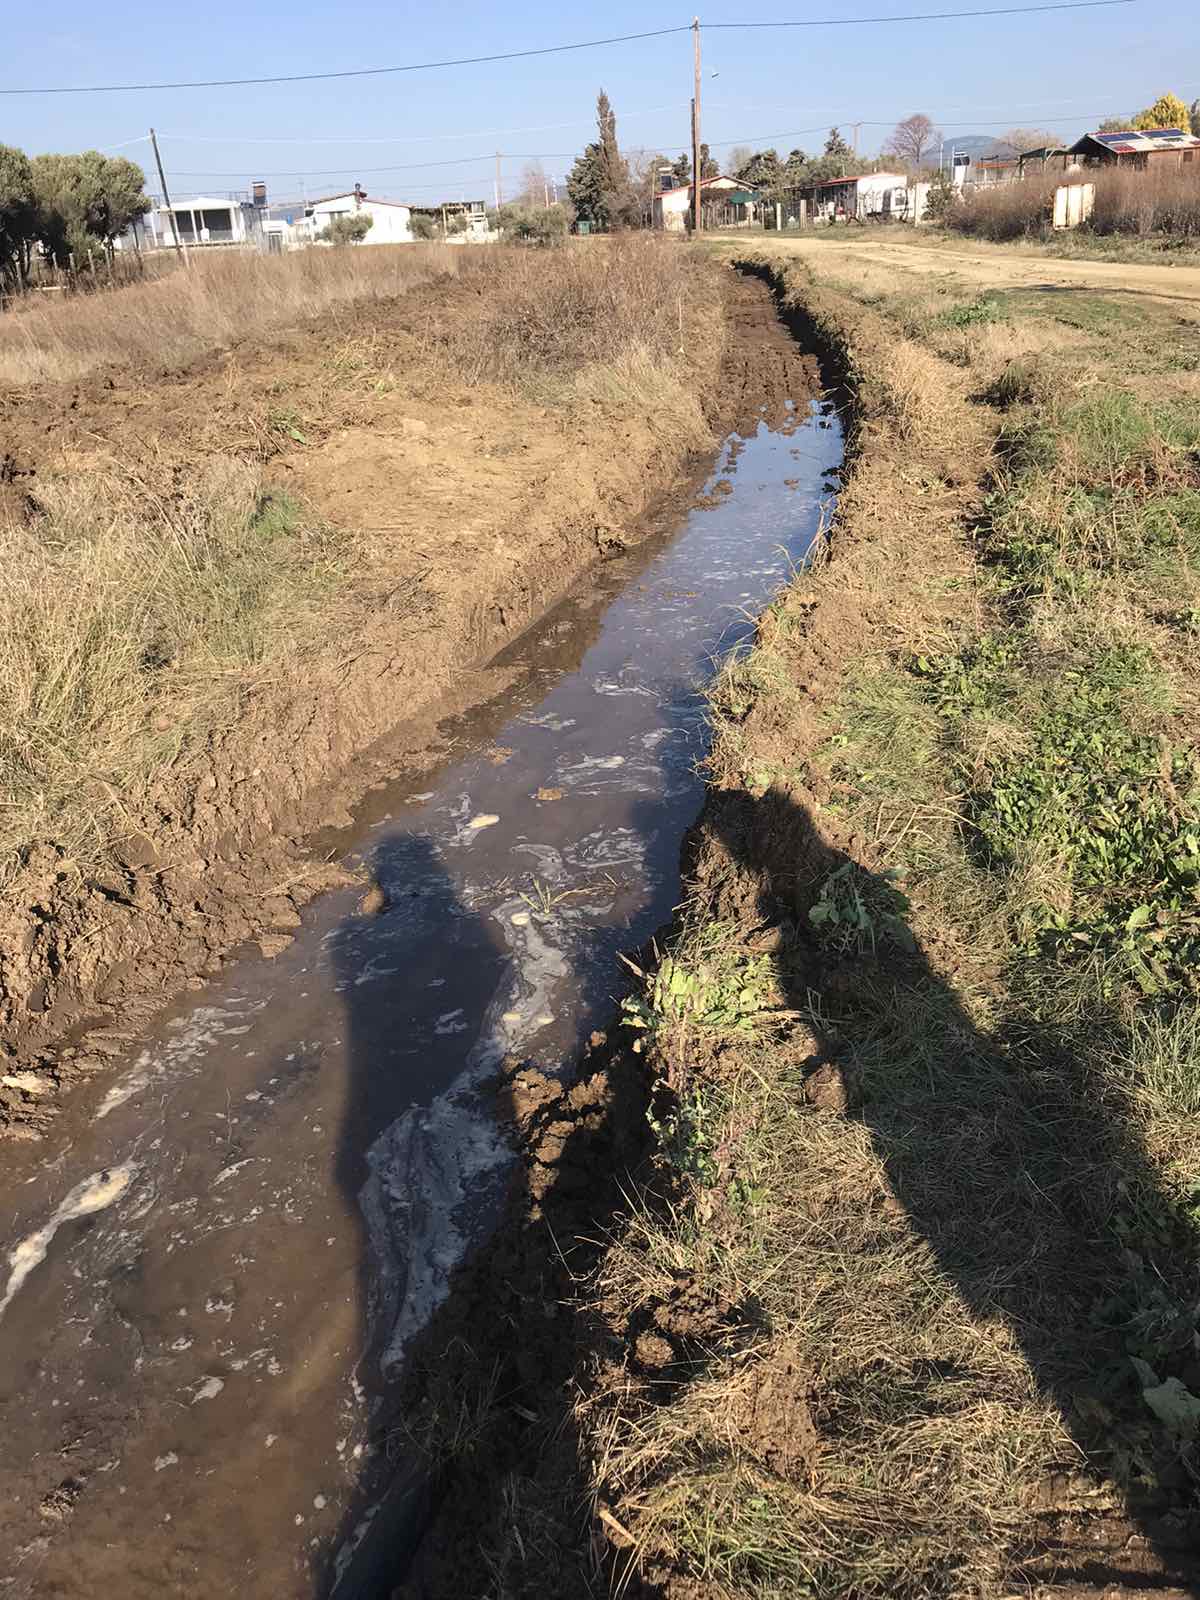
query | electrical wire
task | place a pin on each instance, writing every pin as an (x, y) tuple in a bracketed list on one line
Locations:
[(375, 72), (424, 138), (560, 49), (926, 16)]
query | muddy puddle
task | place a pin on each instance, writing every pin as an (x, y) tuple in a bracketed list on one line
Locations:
[(211, 1268)]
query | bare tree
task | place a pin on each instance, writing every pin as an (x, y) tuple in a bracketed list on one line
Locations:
[(913, 140), (534, 190), (738, 158), (1022, 139)]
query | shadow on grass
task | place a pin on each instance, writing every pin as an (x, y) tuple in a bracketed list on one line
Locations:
[(1019, 1163)]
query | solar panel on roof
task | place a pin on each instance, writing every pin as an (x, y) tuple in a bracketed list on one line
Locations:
[(1164, 133)]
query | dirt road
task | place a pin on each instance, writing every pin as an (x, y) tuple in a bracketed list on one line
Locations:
[(993, 266)]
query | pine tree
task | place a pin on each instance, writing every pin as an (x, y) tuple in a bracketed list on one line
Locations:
[(835, 145), (598, 184), (585, 187)]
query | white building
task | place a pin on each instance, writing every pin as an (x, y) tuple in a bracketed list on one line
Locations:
[(206, 220), (391, 222), (867, 195), (672, 208)]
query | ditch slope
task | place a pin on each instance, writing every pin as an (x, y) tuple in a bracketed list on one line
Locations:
[(892, 1290), (459, 511)]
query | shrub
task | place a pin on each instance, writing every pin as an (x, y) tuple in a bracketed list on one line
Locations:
[(533, 224), (1145, 203), (1008, 211), (347, 230), (1127, 202), (943, 198)]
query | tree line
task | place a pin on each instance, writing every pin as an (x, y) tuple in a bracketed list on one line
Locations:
[(608, 189), (63, 206)]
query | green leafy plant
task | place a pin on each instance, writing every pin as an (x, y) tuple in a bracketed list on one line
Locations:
[(857, 910), (687, 1135), (717, 996)]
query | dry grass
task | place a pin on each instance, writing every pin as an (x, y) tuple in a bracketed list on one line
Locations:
[(221, 299), (1141, 204), (126, 618), (953, 1190)]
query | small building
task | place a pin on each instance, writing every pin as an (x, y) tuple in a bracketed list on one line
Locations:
[(874, 196), (1137, 148), (1046, 158), (202, 222), (391, 221), (989, 171), (672, 208), (460, 221)]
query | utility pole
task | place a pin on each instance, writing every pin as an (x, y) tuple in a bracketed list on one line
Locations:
[(854, 141), (497, 180), (166, 197), (696, 222)]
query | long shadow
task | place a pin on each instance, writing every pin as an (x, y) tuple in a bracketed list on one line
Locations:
[(470, 1416), (1021, 1168), (411, 964)]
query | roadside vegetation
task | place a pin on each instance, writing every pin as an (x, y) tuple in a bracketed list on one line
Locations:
[(221, 299), (1159, 206), (926, 1041), (141, 602)]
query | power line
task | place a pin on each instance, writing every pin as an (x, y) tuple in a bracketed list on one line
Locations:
[(375, 72), (927, 16), (402, 138), (560, 49)]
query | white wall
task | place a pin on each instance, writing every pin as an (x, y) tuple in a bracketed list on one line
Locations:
[(672, 209), (389, 224)]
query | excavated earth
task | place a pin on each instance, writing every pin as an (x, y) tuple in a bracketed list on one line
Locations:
[(478, 509)]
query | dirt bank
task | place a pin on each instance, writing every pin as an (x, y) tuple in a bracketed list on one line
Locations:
[(897, 1295), (464, 508), (470, 509)]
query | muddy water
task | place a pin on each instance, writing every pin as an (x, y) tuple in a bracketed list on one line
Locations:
[(211, 1269)]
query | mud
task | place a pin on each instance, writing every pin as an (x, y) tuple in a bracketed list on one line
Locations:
[(503, 505), (300, 1162)]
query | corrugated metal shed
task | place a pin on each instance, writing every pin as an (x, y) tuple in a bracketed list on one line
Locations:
[(1136, 141)]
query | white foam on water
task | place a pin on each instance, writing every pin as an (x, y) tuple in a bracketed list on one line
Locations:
[(193, 1036), (434, 1170), (93, 1194)]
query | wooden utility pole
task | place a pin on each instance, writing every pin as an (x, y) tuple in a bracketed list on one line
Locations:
[(696, 223), (854, 141), (166, 197), (497, 180)]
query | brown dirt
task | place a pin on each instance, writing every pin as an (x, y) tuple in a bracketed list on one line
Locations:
[(478, 508), (995, 266)]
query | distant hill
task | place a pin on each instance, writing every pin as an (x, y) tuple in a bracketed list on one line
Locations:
[(974, 145)]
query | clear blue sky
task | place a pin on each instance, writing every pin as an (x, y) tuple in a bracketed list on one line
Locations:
[(1061, 70)]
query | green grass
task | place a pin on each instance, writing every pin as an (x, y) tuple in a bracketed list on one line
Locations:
[(984, 1255)]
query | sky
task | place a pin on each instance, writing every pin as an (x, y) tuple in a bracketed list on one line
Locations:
[(426, 136)]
